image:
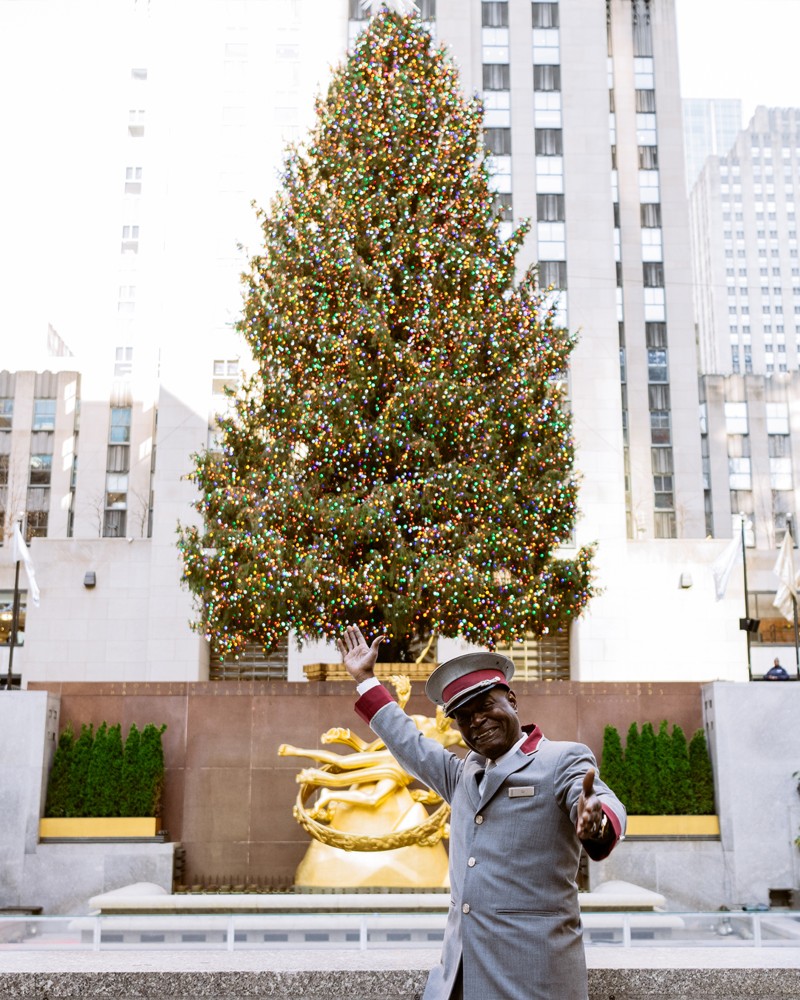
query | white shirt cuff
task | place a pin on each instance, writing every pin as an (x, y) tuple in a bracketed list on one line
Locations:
[(364, 686)]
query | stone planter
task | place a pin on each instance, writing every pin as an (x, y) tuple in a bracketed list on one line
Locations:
[(99, 828), (673, 826)]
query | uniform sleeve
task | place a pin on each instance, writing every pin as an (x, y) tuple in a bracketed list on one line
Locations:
[(421, 756), (573, 765)]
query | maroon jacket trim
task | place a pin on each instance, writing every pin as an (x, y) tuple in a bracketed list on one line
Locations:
[(534, 738), (370, 703)]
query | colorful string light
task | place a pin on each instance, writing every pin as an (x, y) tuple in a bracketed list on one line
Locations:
[(402, 457)]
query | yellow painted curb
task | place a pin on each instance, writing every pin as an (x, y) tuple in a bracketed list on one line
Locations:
[(673, 826), (100, 827)]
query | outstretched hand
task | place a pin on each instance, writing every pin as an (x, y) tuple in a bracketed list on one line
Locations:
[(359, 658), (590, 813)]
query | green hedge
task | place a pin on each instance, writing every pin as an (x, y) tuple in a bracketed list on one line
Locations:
[(657, 774), (97, 775)]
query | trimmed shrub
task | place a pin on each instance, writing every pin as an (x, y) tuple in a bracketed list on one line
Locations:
[(682, 794), (58, 787), (96, 775), (79, 772), (657, 774), (612, 766), (633, 771), (129, 785), (702, 777), (151, 770), (664, 778)]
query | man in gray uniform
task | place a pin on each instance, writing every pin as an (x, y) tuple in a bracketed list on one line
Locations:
[(522, 806)]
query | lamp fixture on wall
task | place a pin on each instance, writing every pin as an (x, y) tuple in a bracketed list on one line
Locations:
[(686, 580), (90, 579)]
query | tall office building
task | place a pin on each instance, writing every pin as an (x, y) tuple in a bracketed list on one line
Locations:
[(584, 128), (745, 249), (710, 128)]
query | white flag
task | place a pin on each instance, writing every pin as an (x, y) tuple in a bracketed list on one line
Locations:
[(723, 565), (20, 553), (785, 572)]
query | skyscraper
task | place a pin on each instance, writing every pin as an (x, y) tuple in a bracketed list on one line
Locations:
[(710, 127), (584, 128), (745, 247)]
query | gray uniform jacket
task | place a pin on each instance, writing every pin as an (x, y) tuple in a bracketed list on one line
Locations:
[(514, 916)]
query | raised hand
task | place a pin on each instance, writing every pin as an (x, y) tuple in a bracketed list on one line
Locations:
[(590, 825), (359, 658)]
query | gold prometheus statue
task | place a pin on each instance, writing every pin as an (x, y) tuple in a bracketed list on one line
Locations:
[(368, 827)]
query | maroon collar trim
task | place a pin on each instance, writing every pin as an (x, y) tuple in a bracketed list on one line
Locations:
[(534, 738)]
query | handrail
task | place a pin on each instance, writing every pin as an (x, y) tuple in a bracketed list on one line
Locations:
[(377, 930)]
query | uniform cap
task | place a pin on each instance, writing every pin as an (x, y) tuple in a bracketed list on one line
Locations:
[(456, 681)]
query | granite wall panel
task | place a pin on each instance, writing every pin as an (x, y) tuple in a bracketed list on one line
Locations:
[(228, 797)]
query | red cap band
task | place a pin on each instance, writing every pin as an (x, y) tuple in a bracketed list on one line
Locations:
[(473, 679)]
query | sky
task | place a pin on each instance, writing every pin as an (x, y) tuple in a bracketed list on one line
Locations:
[(740, 48)]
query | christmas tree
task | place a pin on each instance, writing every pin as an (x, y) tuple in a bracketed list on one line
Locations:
[(402, 458)]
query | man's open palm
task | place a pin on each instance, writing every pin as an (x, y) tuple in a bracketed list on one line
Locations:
[(359, 658)]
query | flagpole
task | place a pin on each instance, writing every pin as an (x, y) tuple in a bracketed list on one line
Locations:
[(746, 599), (14, 628)]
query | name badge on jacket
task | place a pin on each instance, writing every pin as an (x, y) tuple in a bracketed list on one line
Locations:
[(521, 791)]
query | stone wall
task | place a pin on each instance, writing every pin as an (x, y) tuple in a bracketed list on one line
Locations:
[(229, 796)]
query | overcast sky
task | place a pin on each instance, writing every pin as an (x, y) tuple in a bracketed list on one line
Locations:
[(741, 48)]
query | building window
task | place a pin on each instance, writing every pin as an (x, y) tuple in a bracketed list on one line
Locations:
[(503, 208), (40, 470), (653, 274), (552, 274), (646, 130), (498, 141), (780, 473), (652, 245), (660, 427), (550, 174), (649, 186), (777, 419), (494, 45), (494, 14), (127, 299), (545, 45), (657, 366), (6, 413), (114, 523), (133, 180), (44, 415), (544, 15), (136, 123), (120, 429), (550, 207), (650, 216), (546, 78), (123, 361), (736, 418), (6, 617), (665, 525), (116, 491), (36, 522), (643, 76), (496, 76), (739, 476), (549, 142), (118, 458)]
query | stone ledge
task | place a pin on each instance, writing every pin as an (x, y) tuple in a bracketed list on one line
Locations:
[(768, 983)]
